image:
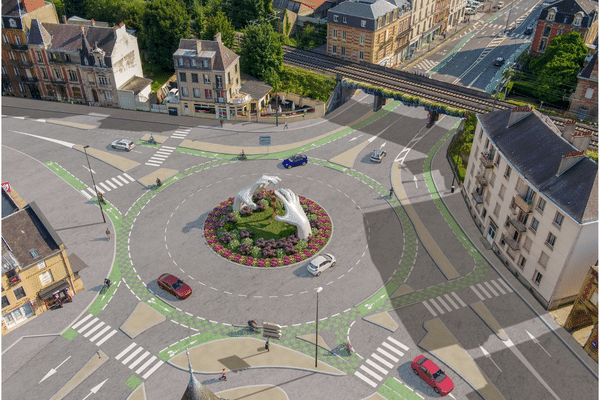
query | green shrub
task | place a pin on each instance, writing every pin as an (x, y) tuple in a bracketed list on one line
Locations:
[(233, 245), (524, 88), (256, 252)]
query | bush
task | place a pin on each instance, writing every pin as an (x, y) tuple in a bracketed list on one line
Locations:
[(524, 88)]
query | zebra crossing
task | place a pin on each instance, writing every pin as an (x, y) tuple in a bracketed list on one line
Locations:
[(496, 289), (98, 333), (160, 156), (426, 65), (382, 360), (108, 185), (181, 133)]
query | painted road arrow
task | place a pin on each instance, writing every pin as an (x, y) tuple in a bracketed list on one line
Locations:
[(383, 145), (53, 371), (415, 179), (488, 355), (536, 341), (95, 389)]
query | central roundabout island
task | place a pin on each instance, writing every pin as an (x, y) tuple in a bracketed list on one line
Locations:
[(267, 228)]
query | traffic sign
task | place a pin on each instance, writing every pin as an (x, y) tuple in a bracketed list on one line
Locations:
[(271, 331), (264, 140)]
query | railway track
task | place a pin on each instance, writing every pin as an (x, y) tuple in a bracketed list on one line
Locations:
[(415, 85)]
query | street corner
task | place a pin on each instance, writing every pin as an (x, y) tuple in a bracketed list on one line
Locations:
[(243, 353)]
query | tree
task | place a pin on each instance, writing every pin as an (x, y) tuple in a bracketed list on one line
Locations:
[(114, 12), (164, 23), (220, 23), (241, 12), (261, 51)]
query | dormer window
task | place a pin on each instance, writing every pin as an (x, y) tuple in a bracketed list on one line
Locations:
[(363, 23), (578, 19), (192, 62), (345, 20), (335, 18), (85, 61), (180, 62), (33, 253), (205, 64), (551, 14)]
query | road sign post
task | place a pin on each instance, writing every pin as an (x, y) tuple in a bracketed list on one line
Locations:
[(264, 141), (271, 331)]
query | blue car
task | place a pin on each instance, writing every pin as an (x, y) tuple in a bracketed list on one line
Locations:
[(295, 160)]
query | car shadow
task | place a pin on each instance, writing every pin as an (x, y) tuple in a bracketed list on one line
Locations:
[(302, 272)]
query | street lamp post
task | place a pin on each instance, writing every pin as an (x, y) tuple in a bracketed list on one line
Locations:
[(452, 187), (319, 290), (93, 182)]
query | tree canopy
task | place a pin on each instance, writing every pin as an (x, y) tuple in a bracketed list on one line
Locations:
[(242, 12), (220, 23), (164, 23), (261, 51)]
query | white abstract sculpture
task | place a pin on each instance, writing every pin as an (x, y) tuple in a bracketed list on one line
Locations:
[(294, 214), (244, 197)]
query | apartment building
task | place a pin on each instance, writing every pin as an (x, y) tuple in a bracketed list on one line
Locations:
[(373, 31), (533, 194), (19, 76), (431, 18), (563, 17), (35, 266)]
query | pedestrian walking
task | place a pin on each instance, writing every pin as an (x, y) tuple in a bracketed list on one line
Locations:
[(221, 122), (223, 377), (285, 126), (267, 345), (391, 192), (107, 234)]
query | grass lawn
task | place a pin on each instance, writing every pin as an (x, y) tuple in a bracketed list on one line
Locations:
[(264, 227), (158, 75)]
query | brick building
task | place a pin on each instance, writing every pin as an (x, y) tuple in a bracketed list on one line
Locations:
[(374, 31), (19, 76), (584, 101), (585, 311), (563, 17)]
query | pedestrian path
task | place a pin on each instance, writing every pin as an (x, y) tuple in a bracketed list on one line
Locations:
[(134, 358), (160, 156), (382, 362), (496, 289), (95, 330), (432, 305), (181, 132), (108, 185), (426, 65)]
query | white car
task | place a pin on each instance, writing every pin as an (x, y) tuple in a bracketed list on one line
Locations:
[(123, 144), (321, 263), (470, 11), (377, 156)]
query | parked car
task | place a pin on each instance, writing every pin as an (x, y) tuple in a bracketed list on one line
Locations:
[(470, 11), (295, 160), (321, 263), (473, 4), (529, 30), (175, 286), (123, 144), (500, 4), (432, 374), (499, 61), (377, 155)]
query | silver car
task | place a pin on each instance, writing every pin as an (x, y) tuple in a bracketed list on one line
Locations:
[(321, 263), (377, 156), (123, 144)]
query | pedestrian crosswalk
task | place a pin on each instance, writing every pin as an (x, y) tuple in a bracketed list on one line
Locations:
[(426, 64), (98, 333), (160, 156), (496, 287), (107, 185), (381, 362), (181, 133)]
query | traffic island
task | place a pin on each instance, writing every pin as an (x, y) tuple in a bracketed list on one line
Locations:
[(258, 392), (142, 318)]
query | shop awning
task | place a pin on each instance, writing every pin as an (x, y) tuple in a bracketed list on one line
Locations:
[(53, 289)]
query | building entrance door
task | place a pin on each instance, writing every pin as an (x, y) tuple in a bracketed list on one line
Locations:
[(491, 232)]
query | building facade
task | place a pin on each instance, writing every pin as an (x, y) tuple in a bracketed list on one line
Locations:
[(584, 101), (431, 18), (563, 17), (533, 194), (19, 77), (585, 311), (35, 268), (373, 31)]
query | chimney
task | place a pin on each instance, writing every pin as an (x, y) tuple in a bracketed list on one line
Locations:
[(64, 18), (93, 22), (568, 160), (517, 114), (218, 37), (568, 130), (198, 46), (582, 140)]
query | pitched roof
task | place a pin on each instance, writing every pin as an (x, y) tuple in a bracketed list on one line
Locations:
[(535, 148), (566, 10), (371, 9), (10, 8), (587, 71), (255, 88), (223, 56), (38, 35), (68, 37), (195, 390)]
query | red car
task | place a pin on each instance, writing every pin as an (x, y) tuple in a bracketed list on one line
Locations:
[(175, 286), (432, 374)]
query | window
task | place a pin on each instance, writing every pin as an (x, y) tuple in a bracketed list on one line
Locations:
[(67, 58), (229, 78), (4, 71), (522, 262), (589, 93), (16, 71), (235, 70), (501, 192), (507, 172), (21, 87), (17, 40), (344, 20), (184, 91), (182, 77), (39, 56), (195, 78), (106, 96), (196, 92), (492, 179), (497, 209), (58, 76), (558, 219), (527, 244), (23, 58), (44, 74), (19, 293), (77, 93), (362, 38), (335, 35), (547, 31), (551, 14), (361, 55), (180, 61), (363, 23), (72, 75), (206, 78), (343, 35), (11, 55), (537, 278), (578, 19), (534, 224), (5, 301), (5, 38), (205, 64), (46, 278), (219, 81), (335, 18), (487, 197), (541, 205), (543, 44), (551, 239), (543, 260), (208, 93), (102, 80), (192, 62), (334, 49), (343, 51)]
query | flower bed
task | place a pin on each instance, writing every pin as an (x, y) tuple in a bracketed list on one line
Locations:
[(254, 238)]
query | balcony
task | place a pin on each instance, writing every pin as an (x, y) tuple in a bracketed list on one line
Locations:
[(482, 180), (477, 197), (30, 79), (218, 86), (526, 206), (519, 226), (19, 47), (59, 81), (13, 279), (487, 160), (240, 98), (512, 243)]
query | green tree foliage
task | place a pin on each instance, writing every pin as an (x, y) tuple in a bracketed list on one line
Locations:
[(306, 83), (220, 23), (75, 7), (164, 23), (261, 51), (241, 12), (116, 11)]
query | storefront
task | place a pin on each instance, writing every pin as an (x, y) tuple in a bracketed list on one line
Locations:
[(58, 292), (17, 316)]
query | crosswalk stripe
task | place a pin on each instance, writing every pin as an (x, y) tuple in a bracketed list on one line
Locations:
[(115, 180), (123, 179), (83, 192), (181, 131), (499, 287), (128, 177), (392, 348), (388, 355), (505, 285), (491, 288), (480, 287), (145, 365), (462, 303), (168, 147), (162, 156), (92, 191), (428, 307), (100, 189), (111, 184), (397, 343), (477, 293), (130, 357), (83, 328), (151, 371), (451, 301), (373, 374), (165, 152), (102, 332), (139, 360), (156, 160), (104, 186), (382, 360), (436, 306), (105, 338), (153, 164), (364, 378), (439, 298), (81, 321), (377, 367), (121, 354), (94, 329)]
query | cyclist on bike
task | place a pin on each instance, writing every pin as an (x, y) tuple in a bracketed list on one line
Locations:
[(107, 282)]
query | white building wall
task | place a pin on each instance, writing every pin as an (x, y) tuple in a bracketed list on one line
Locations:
[(125, 57)]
